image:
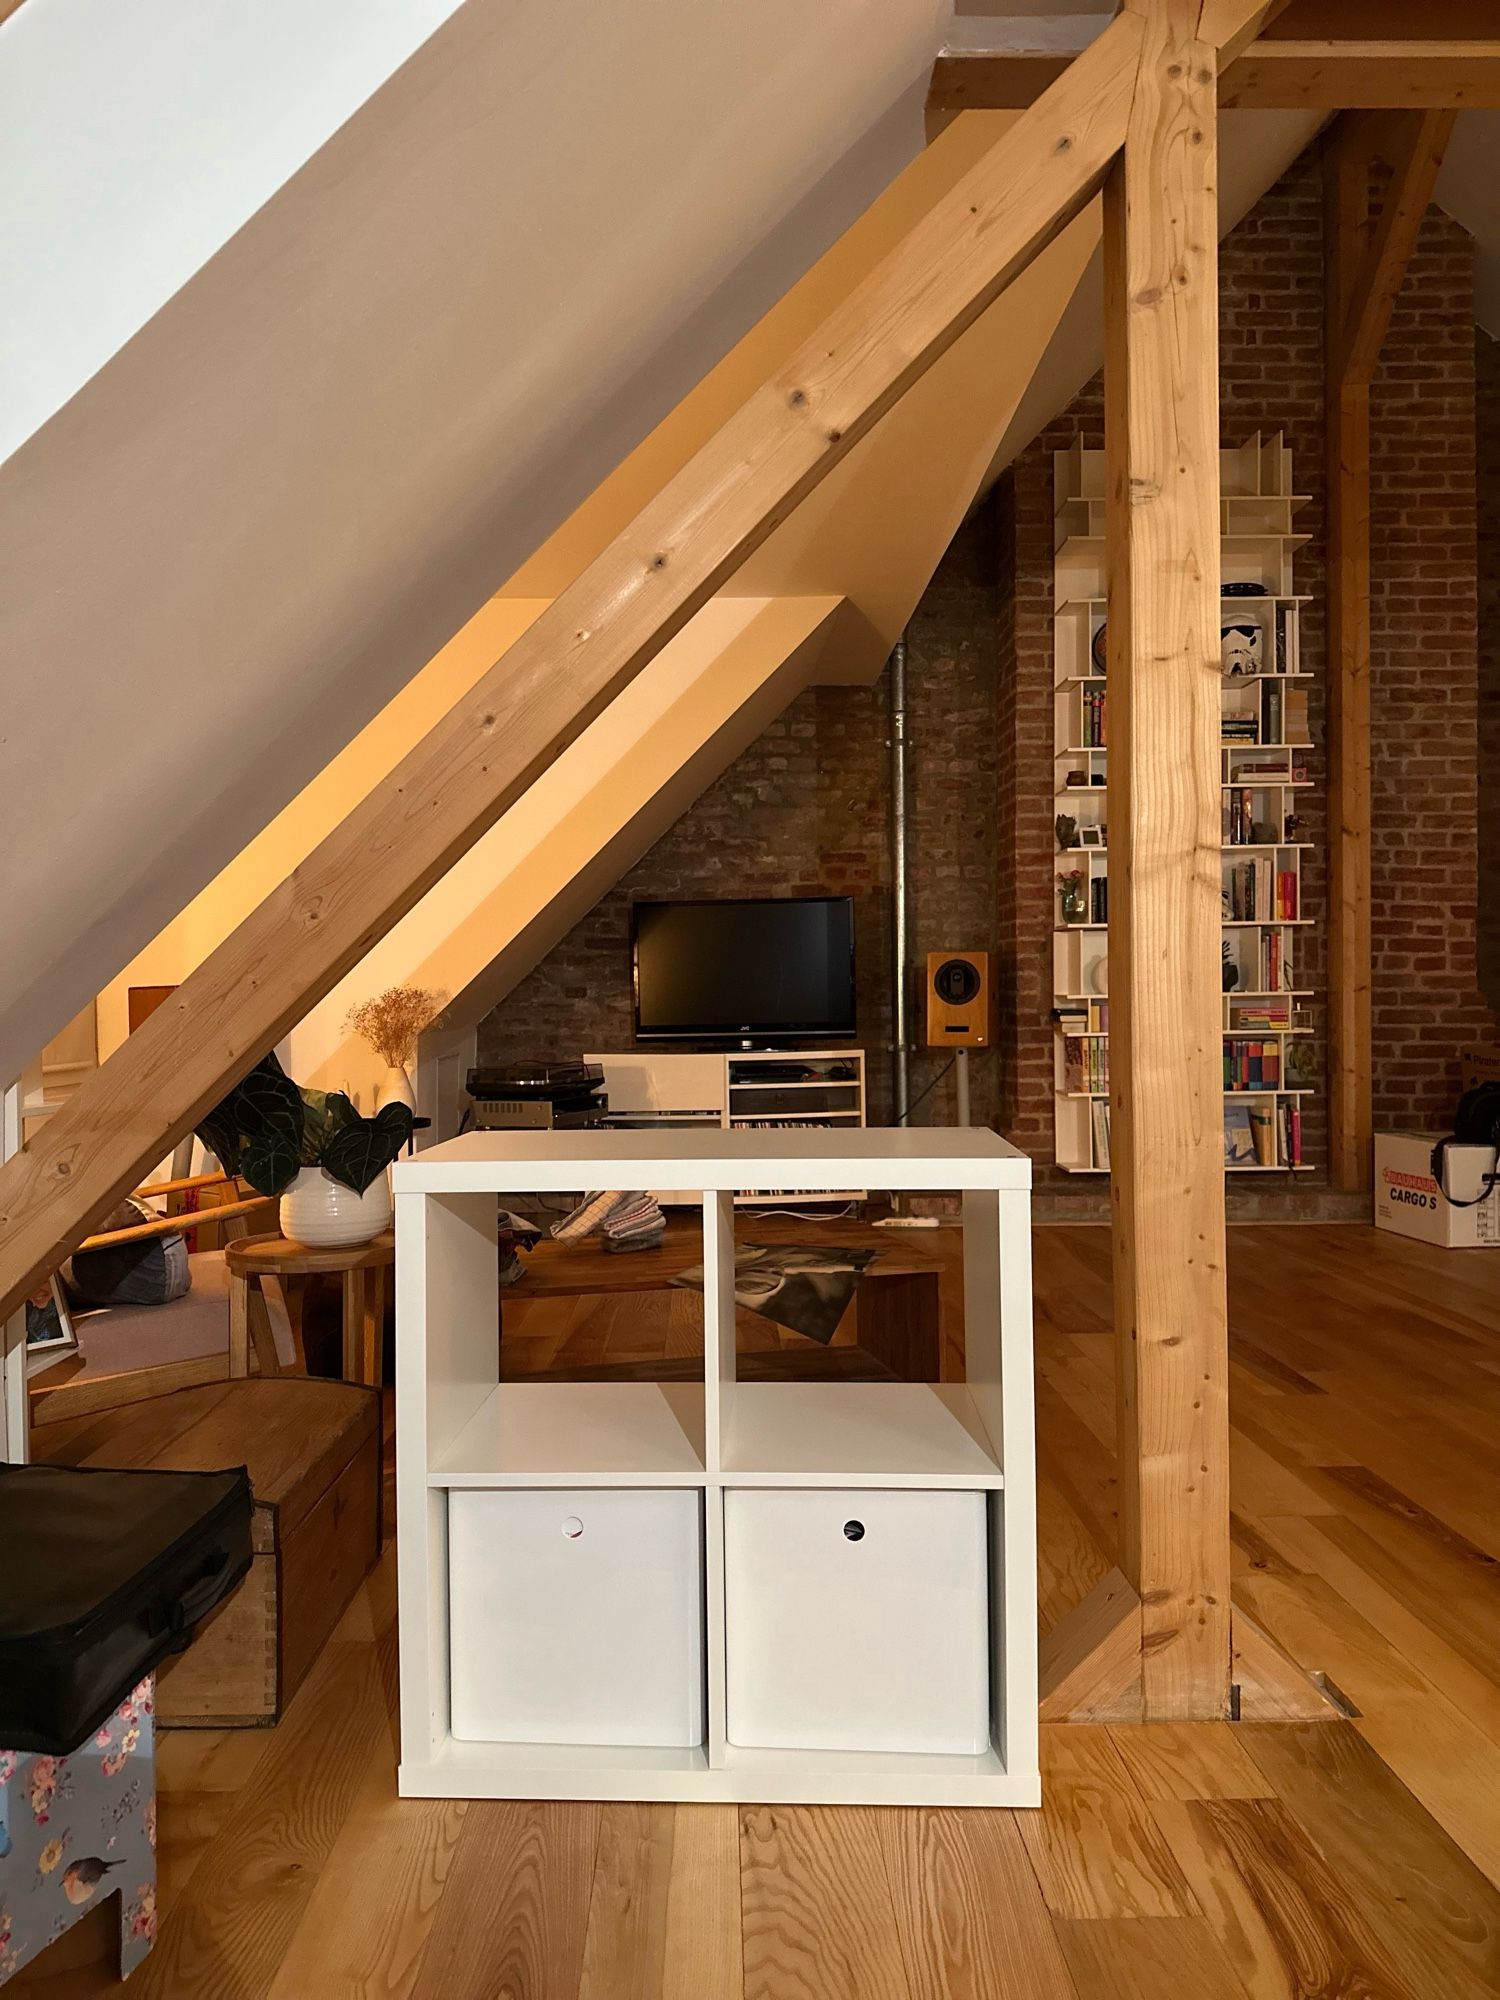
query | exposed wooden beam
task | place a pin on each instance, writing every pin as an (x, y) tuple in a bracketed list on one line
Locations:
[(1089, 1668), (1272, 75), (1414, 144), (1231, 25), (1387, 20), (1166, 1138), (1366, 259), (1276, 75), (571, 662)]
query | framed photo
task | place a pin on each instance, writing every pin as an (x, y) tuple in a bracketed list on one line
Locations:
[(1091, 836), (49, 1327)]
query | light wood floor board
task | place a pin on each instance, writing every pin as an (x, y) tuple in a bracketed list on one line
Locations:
[(1146, 1958), (1218, 1862), (514, 1915), (819, 1923), (1094, 1844), (970, 1912)]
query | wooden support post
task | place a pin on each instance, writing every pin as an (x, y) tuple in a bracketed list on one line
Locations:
[(1366, 260), (1162, 485)]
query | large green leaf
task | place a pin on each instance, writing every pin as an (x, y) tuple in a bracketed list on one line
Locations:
[(269, 1102), (271, 1162), (242, 1113), (220, 1133), (357, 1154)]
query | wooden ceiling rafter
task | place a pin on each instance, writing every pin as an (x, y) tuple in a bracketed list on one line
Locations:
[(1281, 55)]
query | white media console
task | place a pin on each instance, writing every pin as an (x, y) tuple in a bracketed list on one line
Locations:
[(744, 1091), (800, 1592)]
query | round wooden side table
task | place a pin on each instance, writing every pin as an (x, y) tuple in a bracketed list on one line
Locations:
[(362, 1267)]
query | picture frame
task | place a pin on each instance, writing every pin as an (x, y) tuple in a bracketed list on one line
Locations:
[(50, 1333)]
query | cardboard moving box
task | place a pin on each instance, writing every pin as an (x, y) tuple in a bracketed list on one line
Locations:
[(1409, 1201)]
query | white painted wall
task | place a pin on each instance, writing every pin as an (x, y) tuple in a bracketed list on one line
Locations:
[(135, 139), (353, 422)]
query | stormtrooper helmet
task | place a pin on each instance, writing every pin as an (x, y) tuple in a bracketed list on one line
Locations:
[(1243, 645)]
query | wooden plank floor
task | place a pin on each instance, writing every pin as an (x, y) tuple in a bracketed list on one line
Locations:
[(1258, 1862)]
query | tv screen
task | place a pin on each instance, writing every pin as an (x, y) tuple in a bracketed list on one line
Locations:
[(773, 970)]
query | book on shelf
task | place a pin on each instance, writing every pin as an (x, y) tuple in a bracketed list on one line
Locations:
[(1251, 1065), (1294, 717), (1261, 1012), (1095, 725), (1239, 1145), (1272, 712), (1099, 900), (1289, 1131), (1263, 1133), (1099, 1124), (1237, 816)]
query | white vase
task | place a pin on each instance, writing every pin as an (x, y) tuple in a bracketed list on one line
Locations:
[(321, 1212), (395, 1088)]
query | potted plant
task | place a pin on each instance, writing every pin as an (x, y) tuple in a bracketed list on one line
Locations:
[(393, 1023), (312, 1148)]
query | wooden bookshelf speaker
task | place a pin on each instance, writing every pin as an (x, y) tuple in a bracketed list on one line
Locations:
[(960, 1000)]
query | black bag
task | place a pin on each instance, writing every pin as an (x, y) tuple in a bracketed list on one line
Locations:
[(106, 1574), (1476, 1123)]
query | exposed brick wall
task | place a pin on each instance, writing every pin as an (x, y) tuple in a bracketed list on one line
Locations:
[(1424, 687), (1487, 483), (805, 811)]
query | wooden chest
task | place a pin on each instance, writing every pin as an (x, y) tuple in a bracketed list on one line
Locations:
[(314, 1453)]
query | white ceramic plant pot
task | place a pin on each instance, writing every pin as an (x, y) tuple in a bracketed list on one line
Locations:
[(321, 1212), (395, 1088)]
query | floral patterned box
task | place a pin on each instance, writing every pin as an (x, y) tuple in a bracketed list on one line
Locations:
[(75, 1828)]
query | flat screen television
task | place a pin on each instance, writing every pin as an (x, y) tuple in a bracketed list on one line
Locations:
[(776, 970)]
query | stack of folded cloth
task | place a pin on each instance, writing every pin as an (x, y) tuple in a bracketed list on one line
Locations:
[(626, 1221)]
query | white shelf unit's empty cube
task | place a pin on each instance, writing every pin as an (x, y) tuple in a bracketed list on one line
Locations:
[(576, 1615), (857, 1619), (857, 1599)]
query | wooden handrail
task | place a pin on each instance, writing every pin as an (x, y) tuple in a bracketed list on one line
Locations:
[(169, 1225), (571, 663), (186, 1184)]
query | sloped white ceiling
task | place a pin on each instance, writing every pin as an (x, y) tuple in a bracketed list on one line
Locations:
[(306, 471)]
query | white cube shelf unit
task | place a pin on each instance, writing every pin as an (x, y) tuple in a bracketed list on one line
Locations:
[(1263, 771), (854, 1579)]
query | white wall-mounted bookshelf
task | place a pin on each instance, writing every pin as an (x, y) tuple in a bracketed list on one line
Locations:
[(1263, 773), (899, 1517)]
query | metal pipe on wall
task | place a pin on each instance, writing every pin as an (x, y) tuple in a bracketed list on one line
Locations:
[(900, 1076)]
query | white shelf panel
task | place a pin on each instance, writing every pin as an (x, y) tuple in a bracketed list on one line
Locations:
[(856, 1433), (916, 1158), (831, 1083), (459, 1770), (579, 1434)]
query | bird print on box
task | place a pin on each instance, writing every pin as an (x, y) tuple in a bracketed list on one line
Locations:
[(77, 1829)]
